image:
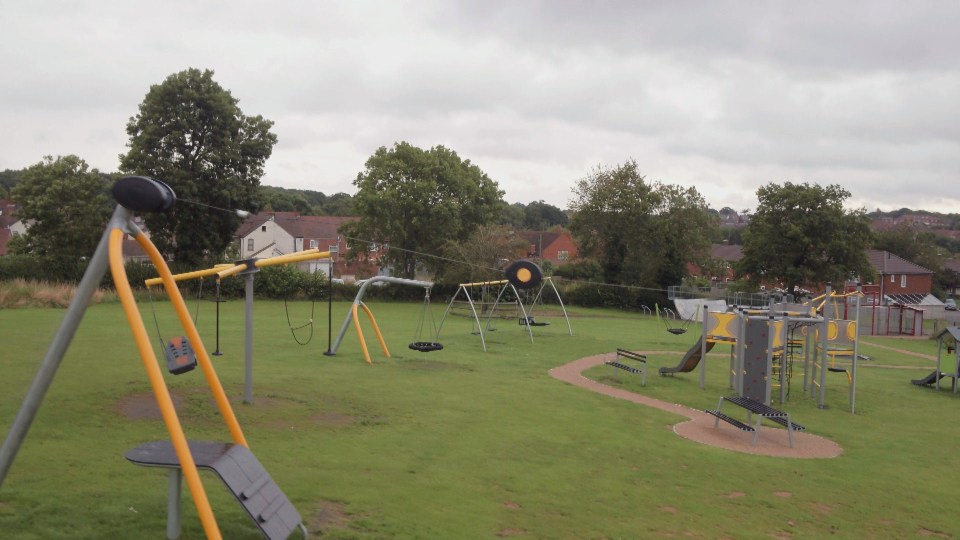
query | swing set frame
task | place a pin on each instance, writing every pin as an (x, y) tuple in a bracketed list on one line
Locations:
[(353, 315)]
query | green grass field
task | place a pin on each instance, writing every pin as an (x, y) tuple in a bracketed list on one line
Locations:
[(465, 444)]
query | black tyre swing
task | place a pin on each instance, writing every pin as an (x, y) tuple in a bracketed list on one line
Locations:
[(426, 346)]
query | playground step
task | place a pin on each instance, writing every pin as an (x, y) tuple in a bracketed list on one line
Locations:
[(243, 474), (730, 420)]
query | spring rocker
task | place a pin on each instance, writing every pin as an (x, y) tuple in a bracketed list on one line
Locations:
[(233, 461)]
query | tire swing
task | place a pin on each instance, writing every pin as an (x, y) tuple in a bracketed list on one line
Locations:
[(524, 275), (426, 346)]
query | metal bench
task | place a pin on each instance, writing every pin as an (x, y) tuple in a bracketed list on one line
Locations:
[(761, 410), (630, 355)]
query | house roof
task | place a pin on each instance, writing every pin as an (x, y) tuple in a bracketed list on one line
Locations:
[(536, 237), (887, 263), (296, 225), (727, 252), (913, 299), (952, 265)]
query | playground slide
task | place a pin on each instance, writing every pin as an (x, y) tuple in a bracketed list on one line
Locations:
[(690, 360), (933, 377)]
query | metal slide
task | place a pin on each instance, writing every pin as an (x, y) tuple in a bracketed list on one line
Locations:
[(933, 377), (690, 360)]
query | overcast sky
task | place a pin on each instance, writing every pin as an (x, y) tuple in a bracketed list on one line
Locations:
[(722, 96)]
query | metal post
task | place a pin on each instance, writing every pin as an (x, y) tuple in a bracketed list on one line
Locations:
[(95, 271), (703, 347), (824, 348), (329, 351), (856, 355), (248, 340), (174, 480)]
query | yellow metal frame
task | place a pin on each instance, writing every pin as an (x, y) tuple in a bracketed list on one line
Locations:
[(376, 330), (158, 384)]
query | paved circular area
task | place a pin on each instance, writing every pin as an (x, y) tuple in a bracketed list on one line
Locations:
[(699, 427)]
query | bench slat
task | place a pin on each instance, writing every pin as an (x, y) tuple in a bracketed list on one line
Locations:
[(730, 420)]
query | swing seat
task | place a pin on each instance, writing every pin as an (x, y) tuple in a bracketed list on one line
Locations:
[(528, 321), (180, 356), (426, 346), (677, 331)]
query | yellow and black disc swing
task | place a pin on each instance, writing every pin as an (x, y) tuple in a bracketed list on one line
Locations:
[(426, 346)]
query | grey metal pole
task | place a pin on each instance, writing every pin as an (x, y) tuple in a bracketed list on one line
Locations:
[(248, 341), (703, 346), (856, 355), (94, 273), (174, 481), (824, 348)]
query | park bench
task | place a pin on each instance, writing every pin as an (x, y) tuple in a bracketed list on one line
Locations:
[(630, 355), (760, 410)]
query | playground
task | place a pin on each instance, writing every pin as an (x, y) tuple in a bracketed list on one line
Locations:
[(467, 443), (524, 430)]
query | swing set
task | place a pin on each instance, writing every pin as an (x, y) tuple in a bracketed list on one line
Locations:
[(523, 275), (234, 462), (246, 268), (353, 315)]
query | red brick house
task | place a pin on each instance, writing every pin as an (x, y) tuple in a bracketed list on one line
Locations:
[(269, 234), (554, 246), (7, 219), (895, 275)]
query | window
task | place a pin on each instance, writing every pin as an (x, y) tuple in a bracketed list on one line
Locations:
[(373, 246), (249, 244), (263, 228), (313, 244), (893, 278), (563, 255), (903, 280), (333, 248)]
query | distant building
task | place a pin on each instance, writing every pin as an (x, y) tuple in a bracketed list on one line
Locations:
[(7, 220), (898, 276), (269, 234), (554, 246)]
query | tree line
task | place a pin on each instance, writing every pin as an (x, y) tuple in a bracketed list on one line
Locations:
[(438, 212)]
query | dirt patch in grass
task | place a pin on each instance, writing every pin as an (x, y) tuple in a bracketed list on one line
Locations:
[(669, 509), (333, 419), (143, 406), (512, 505), (822, 508), (736, 495), (511, 532), (330, 516), (782, 494)]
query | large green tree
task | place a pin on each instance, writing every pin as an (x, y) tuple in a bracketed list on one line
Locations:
[(641, 233), (66, 205), (801, 236), (483, 256), (191, 134), (418, 200)]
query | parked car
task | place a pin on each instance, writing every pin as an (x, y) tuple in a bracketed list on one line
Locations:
[(950, 304)]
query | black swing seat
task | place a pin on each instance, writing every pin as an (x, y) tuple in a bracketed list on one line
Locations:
[(529, 321), (677, 331), (426, 346)]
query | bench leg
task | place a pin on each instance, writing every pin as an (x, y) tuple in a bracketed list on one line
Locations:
[(174, 479), (756, 430), (789, 432)]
